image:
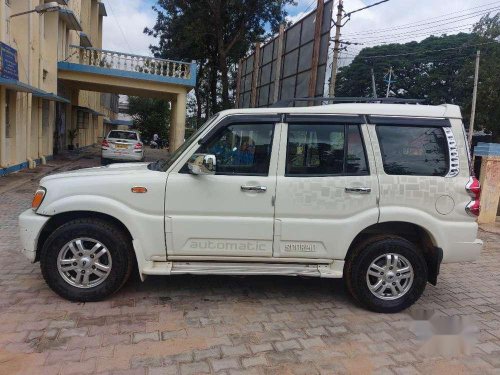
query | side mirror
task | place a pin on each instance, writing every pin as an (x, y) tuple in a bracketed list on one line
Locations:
[(202, 164)]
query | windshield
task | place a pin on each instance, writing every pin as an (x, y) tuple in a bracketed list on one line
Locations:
[(164, 164)]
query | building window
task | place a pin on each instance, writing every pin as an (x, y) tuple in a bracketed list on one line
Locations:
[(80, 120), (413, 150)]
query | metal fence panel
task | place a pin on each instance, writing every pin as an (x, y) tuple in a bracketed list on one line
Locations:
[(295, 62)]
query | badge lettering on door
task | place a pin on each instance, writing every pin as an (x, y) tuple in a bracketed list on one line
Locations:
[(228, 245), (300, 248)]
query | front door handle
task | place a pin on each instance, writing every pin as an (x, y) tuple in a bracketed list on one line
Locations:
[(258, 189), (358, 190)]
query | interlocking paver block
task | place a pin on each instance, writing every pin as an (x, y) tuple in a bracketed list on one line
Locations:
[(224, 364), (271, 324), (151, 336), (286, 345), (235, 350), (259, 360)]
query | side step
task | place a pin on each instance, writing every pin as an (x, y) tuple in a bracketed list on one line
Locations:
[(332, 270)]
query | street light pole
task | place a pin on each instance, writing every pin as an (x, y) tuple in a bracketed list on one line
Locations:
[(40, 9)]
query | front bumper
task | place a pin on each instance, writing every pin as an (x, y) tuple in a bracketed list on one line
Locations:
[(30, 226)]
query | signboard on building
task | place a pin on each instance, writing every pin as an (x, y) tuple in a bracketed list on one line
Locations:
[(290, 65), (8, 62)]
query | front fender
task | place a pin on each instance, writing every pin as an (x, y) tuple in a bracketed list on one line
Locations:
[(146, 229)]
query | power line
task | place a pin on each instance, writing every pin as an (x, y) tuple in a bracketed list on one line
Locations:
[(419, 23), (430, 51), (368, 36), (119, 26), (405, 36)]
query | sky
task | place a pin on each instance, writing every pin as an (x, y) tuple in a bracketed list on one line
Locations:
[(123, 28)]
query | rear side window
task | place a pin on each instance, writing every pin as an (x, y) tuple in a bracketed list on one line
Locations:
[(413, 150), (325, 150), (123, 135)]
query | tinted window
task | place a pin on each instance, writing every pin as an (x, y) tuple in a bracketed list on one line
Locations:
[(356, 158), (122, 135), (241, 149), (414, 150), (324, 150)]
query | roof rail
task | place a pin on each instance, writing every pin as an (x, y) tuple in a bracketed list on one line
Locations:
[(287, 102)]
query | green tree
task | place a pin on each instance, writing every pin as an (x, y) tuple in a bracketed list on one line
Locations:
[(150, 116), (419, 72), (216, 34)]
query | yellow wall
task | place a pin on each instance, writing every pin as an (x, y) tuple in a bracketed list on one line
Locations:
[(41, 41)]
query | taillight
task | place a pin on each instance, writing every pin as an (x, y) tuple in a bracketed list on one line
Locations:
[(105, 143), (473, 188), (138, 145)]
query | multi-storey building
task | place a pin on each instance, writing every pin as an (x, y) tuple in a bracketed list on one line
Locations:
[(54, 72)]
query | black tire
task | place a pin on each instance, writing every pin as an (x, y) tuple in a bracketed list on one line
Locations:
[(358, 261), (105, 161), (116, 241)]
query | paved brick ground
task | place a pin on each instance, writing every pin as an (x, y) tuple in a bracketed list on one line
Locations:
[(229, 325)]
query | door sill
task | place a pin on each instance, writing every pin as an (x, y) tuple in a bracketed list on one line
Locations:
[(231, 259), (332, 270)]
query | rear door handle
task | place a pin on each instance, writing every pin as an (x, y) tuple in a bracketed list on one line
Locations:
[(358, 190), (258, 189)]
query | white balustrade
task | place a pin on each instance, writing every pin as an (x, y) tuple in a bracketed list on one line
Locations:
[(132, 63)]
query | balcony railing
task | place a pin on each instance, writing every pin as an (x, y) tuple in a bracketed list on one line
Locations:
[(131, 63)]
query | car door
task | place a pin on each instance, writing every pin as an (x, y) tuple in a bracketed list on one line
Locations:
[(231, 213), (327, 188)]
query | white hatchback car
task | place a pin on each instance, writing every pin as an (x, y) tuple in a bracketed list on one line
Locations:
[(379, 194), (122, 145)]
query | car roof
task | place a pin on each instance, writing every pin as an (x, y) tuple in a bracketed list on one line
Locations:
[(410, 110)]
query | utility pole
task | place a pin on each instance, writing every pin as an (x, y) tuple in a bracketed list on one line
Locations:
[(474, 98), (336, 50), (373, 84), (389, 83)]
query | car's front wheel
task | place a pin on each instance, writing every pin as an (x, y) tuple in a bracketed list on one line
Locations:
[(386, 274), (86, 259)]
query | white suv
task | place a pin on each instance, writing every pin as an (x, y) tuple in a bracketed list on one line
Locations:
[(379, 194)]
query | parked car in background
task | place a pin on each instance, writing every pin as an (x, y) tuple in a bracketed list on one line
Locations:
[(379, 194), (122, 145)]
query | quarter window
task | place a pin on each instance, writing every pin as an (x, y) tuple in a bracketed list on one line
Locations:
[(241, 149), (325, 150), (413, 150)]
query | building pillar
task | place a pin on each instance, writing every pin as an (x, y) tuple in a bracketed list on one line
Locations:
[(490, 189), (177, 122), (3, 138)]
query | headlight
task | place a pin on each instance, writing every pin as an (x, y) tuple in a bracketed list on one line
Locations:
[(38, 198)]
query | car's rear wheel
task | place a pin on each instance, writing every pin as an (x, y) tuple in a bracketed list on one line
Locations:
[(386, 273), (86, 259)]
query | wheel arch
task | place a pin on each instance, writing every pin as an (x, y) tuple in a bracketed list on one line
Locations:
[(57, 220), (421, 237)]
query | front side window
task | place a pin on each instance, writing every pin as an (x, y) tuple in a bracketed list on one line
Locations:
[(241, 149), (325, 150), (413, 150)]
